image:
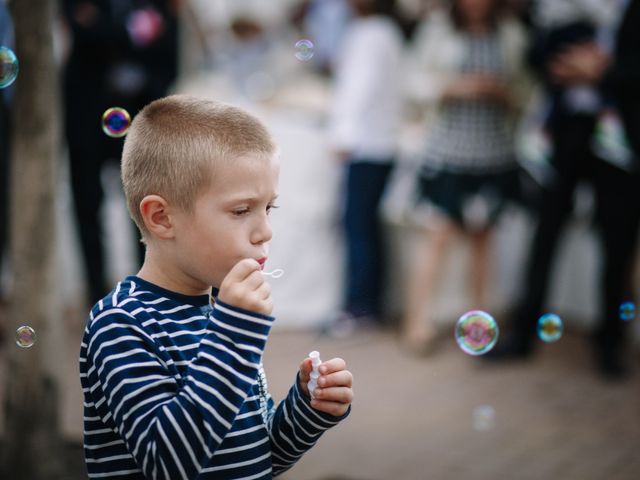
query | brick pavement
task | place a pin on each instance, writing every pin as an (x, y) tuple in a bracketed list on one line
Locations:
[(412, 418)]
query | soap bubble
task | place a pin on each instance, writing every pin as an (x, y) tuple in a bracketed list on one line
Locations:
[(25, 336), (483, 418), (627, 311), (304, 50), (8, 67), (549, 327), (476, 332), (116, 122)]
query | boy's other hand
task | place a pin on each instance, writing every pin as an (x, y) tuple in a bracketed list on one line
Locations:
[(245, 287), (334, 393)]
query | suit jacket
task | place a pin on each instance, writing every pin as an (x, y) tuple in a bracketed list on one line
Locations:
[(103, 42), (106, 68), (619, 85), (623, 77)]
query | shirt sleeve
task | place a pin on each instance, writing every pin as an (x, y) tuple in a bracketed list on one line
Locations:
[(294, 427), (364, 57), (433, 60), (173, 424)]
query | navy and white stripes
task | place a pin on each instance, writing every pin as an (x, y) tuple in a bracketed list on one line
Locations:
[(175, 390)]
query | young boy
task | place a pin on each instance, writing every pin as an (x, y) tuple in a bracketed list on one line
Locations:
[(173, 383)]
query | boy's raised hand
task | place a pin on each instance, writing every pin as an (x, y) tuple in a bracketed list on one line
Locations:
[(334, 393), (245, 287)]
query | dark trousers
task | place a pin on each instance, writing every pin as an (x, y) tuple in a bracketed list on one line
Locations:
[(89, 149), (365, 186), (617, 219)]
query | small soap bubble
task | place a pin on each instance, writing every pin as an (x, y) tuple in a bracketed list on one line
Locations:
[(116, 122), (627, 311), (549, 327), (476, 332), (483, 418), (304, 50), (25, 336), (8, 67)]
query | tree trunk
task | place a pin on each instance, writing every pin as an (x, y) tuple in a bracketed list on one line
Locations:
[(32, 443)]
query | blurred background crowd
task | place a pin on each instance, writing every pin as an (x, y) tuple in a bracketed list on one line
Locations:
[(438, 156)]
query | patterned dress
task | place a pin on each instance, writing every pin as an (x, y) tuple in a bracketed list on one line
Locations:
[(469, 167)]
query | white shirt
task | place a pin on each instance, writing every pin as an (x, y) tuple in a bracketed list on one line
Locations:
[(366, 111)]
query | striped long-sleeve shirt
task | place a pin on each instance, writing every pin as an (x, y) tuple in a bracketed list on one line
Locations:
[(174, 389)]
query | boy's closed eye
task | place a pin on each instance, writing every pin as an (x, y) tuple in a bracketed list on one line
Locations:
[(239, 212), (246, 210)]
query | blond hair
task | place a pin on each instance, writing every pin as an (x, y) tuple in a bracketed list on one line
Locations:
[(174, 144)]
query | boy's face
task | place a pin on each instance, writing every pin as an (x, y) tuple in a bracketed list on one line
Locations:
[(230, 220)]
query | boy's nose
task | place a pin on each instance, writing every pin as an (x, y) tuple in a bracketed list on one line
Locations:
[(262, 233)]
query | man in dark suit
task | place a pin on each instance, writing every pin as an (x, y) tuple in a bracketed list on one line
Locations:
[(123, 53), (588, 71)]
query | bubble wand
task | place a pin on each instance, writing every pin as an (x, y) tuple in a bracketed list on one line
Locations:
[(277, 273)]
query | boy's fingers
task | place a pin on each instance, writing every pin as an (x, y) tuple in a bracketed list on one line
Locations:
[(343, 378), (264, 290), (334, 394), (333, 365), (332, 408), (242, 270), (254, 280), (264, 306)]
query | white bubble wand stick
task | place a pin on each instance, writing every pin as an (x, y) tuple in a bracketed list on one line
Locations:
[(277, 273), (315, 373)]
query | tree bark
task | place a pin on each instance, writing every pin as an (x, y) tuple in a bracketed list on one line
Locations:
[(32, 443)]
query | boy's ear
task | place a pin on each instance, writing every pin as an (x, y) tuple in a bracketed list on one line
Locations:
[(155, 214)]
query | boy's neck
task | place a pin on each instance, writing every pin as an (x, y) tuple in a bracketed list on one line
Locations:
[(169, 278)]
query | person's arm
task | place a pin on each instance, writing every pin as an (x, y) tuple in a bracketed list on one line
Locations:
[(432, 60), (623, 75), (160, 58), (355, 80), (522, 80), (298, 422), (581, 64), (624, 70), (172, 425)]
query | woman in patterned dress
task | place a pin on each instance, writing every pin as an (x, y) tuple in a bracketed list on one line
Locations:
[(470, 61)]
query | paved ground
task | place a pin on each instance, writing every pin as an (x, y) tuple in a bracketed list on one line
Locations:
[(414, 418)]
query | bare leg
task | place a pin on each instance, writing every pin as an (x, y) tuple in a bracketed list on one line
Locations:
[(480, 267), (419, 332)]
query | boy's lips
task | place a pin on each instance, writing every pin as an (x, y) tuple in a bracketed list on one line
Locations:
[(262, 261)]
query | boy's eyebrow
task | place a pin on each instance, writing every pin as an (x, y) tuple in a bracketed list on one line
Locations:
[(250, 198)]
